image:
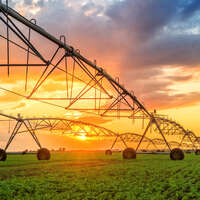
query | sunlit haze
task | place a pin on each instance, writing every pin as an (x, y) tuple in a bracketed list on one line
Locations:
[(153, 48)]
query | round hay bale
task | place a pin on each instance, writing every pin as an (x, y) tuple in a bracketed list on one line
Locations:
[(176, 154), (43, 154), (25, 152), (108, 152), (129, 153), (197, 152), (3, 155)]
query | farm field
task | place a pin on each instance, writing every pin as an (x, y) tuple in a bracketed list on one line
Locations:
[(92, 175)]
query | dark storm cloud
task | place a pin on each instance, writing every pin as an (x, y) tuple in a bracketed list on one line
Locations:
[(179, 50), (136, 37), (191, 8), (158, 34), (154, 31), (142, 19)]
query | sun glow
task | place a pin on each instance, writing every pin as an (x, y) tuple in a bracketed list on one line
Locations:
[(82, 135)]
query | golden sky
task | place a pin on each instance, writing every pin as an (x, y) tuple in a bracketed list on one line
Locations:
[(152, 46)]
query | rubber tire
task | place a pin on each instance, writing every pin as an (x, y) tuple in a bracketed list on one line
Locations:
[(108, 152), (24, 152), (197, 152), (129, 153), (176, 154), (3, 155), (43, 154)]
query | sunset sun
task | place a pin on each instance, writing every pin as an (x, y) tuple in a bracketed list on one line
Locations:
[(82, 137)]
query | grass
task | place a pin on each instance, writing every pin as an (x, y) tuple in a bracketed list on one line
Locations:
[(88, 175)]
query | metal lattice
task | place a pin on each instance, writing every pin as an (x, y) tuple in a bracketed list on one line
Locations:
[(85, 86)]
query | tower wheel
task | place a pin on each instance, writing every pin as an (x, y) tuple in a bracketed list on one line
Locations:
[(129, 153), (197, 152), (108, 152), (3, 155), (176, 154), (43, 154)]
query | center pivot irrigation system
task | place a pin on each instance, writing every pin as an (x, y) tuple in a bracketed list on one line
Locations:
[(47, 62), (19, 125)]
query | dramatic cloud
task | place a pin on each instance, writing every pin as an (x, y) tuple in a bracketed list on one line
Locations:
[(173, 101), (140, 41), (180, 78), (142, 19), (191, 8)]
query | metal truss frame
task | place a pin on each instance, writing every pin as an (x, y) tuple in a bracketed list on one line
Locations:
[(77, 128), (119, 101), (67, 127)]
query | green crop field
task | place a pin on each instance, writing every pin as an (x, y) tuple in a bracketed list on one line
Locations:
[(88, 175)]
